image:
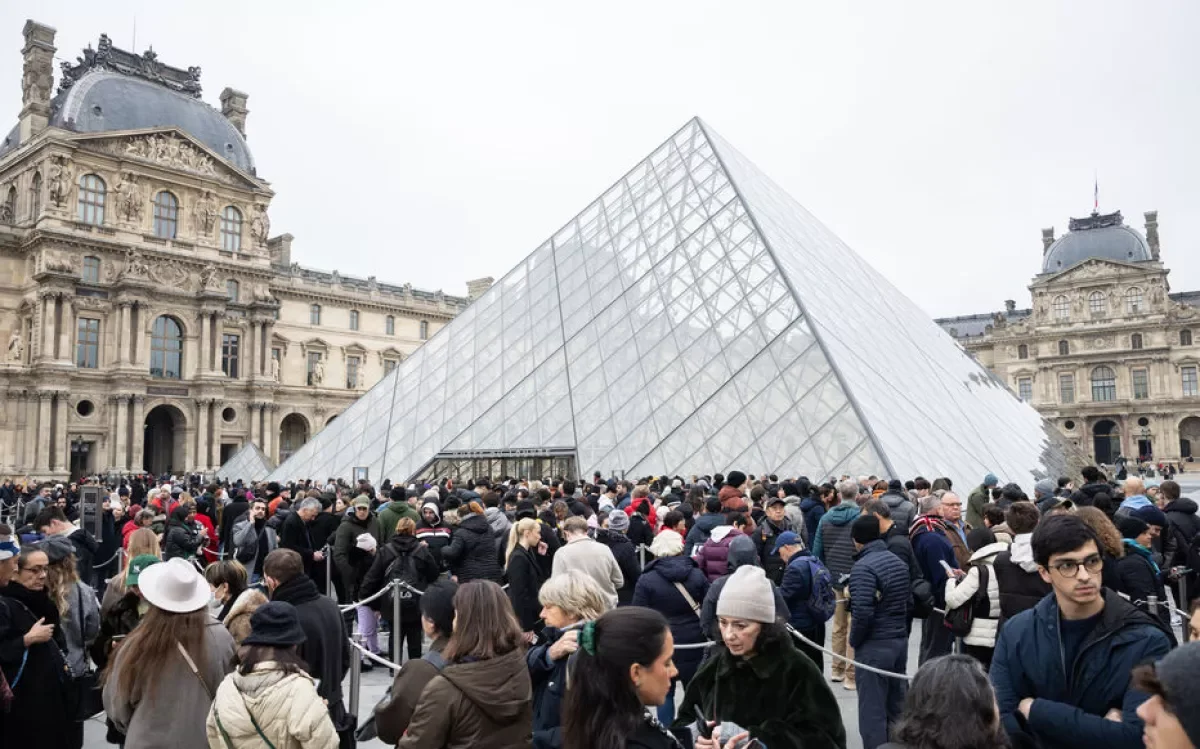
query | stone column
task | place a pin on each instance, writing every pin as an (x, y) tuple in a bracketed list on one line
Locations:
[(122, 334), (264, 351), (46, 334), (255, 412), (62, 433), (137, 421), (202, 347), (29, 454), (250, 346), (43, 432), (64, 327), (121, 438), (202, 408), (268, 431)]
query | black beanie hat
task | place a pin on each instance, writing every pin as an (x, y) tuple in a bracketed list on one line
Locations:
[(735, 479), (437, 605), (865, 529)]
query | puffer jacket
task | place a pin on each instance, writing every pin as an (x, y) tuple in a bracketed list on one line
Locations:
[(814, 510), (958, 592), (181, 540), (285, 706), (484, 704), (701, 531), (879, 595), (833, 545), (656, 589), (472, 553), (351, 562), (903, 511), (500, 525), (713, 557)]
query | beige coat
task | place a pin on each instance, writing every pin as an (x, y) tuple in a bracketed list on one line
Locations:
[(594, 559), (285, 706)]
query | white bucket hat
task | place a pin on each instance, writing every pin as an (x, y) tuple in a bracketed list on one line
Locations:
[(175, 586)]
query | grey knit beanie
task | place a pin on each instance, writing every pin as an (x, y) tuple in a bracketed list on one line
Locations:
[(747, 595), (1179, 674)]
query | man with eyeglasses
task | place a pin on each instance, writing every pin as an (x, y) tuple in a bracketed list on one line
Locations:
[(1062, 669)]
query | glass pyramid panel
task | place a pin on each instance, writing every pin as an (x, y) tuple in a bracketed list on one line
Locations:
[(246, 465), (673, 327)]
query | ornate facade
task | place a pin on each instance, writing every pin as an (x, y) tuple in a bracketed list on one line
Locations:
[(151, 319), (1106, 352)]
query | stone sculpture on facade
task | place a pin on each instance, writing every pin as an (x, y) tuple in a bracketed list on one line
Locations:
[(169, 150), (318, 374), (274, 369), (204, 214), (59, 184), (16, 347), (260, 227), (135, 266), (208, 278), (262, 293), (129, 198)]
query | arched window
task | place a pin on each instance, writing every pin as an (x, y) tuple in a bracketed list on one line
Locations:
[(8, 210), (1133, 300), (1022, 351), (1135, 341), (354, 319), (389, 325), (166, 349), (166, 215), (1104, 384), (1096, 303), (231, 229), (91, 269), (314, 314), (1064, 348), (35, 196), (1062, 307), (231, 290), (424, 330), (1185, 338), (91, 199)]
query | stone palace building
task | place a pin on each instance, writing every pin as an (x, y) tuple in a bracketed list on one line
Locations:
[(149, 318), (1106, 353)]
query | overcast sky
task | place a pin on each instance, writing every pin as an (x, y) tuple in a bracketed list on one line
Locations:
[(436, 142)]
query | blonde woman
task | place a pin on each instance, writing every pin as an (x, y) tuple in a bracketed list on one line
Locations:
[(142, 542), (525, 573), (569, 600)]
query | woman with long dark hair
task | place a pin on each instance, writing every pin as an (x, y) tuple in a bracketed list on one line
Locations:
[(483, 697), (624, 665), (31, 647), (162, 679), (270, 697), (950, 705)]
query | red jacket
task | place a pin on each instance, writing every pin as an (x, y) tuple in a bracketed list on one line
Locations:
[(210, 549), (632, 508), (732, 499)]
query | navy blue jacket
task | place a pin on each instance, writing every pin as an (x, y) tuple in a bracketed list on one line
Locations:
[(1070, 700), (879, 595), (656, 590), (930, 547), (812, 509), (796, 589), (549, 678), (701, 530)]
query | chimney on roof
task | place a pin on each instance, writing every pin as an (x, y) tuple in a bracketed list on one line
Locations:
[(476, 288), (280, 249), (1152, 232), (1010, 306), (1047, 239), (37, 79), (233, 106)]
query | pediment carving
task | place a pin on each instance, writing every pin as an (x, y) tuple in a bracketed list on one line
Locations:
[(170, 149)]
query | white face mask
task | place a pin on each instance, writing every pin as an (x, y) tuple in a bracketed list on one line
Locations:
[(215, 606)]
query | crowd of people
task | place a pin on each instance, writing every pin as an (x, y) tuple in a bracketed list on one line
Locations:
[(663, 613)]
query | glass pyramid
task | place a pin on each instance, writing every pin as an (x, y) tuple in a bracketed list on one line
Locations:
[(694, 318), (247, 465)]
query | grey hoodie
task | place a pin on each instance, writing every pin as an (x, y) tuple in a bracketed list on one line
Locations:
[(499, 523), (1022, 552)]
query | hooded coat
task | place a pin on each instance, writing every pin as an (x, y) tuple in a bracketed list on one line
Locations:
[(426, 570), (713, 556), (1184, 524), (351, 562), (702, 530), (500, 524), (1017, 579), (903, 511), (813, 509), (484, 704), (472, 553), (833, 545), (286, 707), (741, 552), (391, 514), (436, 535), (622, 550), (656, 589)]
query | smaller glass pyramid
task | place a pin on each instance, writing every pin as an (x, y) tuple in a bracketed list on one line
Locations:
[(694, 318), (247, 465)]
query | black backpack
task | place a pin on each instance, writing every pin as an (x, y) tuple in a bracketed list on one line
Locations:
[(959, 620), (403, 569)]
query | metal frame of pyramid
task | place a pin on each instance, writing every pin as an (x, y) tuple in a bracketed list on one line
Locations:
[(694, 318), (246, 465)]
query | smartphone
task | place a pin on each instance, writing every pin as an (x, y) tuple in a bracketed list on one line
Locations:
[(947, 567), (702, 724), (317, 683)]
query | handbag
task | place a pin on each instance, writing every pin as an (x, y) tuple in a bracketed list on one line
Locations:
[(688, 597), (960, 620)]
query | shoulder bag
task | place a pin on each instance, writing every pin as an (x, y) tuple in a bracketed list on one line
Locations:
[(84, 698), (212, 696), (688, 597)]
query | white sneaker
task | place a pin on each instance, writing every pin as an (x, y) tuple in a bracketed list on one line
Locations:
[(838, 677)]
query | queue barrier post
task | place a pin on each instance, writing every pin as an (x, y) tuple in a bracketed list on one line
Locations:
[(397, 638), (355, 683), (328, 573)]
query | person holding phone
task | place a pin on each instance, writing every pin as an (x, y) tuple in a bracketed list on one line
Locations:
[(757, 684)]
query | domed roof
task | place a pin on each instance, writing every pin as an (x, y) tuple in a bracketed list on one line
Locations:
[(110, 90), (1097, 236)]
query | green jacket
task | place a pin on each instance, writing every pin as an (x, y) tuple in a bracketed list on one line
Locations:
[(778, 695), (975, 504), (392, 513)]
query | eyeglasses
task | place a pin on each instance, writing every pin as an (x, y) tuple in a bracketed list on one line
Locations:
[(1070, 567)]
